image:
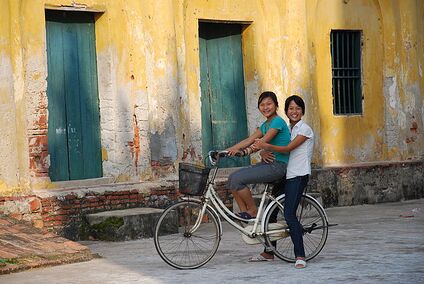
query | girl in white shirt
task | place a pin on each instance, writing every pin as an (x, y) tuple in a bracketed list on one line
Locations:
[(298, 171)]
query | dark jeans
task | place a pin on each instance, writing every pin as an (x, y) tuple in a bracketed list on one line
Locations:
[(293, 188)]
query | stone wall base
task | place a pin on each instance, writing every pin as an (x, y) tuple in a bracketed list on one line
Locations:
[(369, 183)]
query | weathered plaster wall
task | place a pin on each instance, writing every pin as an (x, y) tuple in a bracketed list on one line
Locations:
[(161, 71), (403, 80), (391, 126), (270, 61), (149, 71), (123, 89), (8, 149), (13, 143), (354, 138)]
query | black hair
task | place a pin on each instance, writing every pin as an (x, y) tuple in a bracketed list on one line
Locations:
[(298, 100), (268, 94)]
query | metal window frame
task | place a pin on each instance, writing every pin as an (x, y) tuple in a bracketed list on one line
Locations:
[(346, 69)]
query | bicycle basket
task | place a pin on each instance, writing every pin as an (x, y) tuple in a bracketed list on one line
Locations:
[(192, 179)]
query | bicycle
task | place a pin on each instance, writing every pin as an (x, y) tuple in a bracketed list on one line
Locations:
[(188, 233)]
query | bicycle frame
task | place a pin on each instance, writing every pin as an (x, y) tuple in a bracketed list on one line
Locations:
[(211, 200)]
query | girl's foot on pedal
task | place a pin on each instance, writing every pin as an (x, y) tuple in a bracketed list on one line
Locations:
[(245, 215)]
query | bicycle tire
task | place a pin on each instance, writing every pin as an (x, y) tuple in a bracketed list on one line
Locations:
[(179, 247), (315, 229)]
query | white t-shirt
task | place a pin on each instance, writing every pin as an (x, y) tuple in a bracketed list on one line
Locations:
[(300, 158)]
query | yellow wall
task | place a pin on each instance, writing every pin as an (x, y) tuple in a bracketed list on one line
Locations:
[(148, 73), (353, 138), (7, 114)]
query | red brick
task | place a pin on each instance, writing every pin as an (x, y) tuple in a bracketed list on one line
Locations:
[(17, 216), (68, 206), (4, 222), (66, 212), (47, 201), (56, 223), (35, 205), (47, 209), (38, 223), (70, 197)]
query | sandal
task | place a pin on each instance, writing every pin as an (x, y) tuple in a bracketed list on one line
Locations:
[(245, 215), (259, 258), (300, 263)]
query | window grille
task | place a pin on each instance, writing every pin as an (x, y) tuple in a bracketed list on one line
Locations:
[(346, 71)]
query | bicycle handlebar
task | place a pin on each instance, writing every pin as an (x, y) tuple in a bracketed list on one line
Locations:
[(214, 156)]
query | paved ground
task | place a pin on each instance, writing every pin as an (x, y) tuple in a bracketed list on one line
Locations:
[(381, 243)]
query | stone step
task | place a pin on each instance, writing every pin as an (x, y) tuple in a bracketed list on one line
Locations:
[(122, 225)]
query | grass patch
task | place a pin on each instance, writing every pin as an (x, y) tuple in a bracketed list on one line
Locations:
[(107, 229), (8, 261)]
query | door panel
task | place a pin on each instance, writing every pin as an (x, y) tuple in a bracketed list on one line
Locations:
[(57, 125), (222, 84), (74, 136)]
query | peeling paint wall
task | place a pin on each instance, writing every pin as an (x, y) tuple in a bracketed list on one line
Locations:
[(403, 79), (149, 70), (8, 149), (348, 138)]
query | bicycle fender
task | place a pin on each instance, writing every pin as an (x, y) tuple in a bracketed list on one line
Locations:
[(319, 205), (268, 208)]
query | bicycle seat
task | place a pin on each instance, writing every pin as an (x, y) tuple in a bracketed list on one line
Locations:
[(276, 182), (277, 186)]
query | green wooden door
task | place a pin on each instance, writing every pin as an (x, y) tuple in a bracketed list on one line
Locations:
[(224, 120), (73, 132)]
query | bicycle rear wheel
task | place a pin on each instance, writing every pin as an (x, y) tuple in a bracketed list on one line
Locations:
[(315, 229), (177, 243)]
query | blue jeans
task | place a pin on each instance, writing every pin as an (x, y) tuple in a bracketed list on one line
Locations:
[(259, 173), (294, 188)]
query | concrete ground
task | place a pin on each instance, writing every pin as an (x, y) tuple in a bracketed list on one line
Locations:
[(381, 243)]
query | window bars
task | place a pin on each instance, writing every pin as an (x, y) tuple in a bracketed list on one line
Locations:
[(346, 71)]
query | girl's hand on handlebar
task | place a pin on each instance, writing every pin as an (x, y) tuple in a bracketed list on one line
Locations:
[(260, 144), (234, 152)]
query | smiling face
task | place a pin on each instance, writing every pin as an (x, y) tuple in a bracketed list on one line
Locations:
[(294, 112), (268, 108)]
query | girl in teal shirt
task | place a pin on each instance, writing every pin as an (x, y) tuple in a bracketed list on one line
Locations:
[(273, 131)]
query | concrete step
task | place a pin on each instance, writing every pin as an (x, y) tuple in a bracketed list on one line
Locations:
[(122, 225)]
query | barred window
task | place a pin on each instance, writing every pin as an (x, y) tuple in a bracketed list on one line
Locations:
[(346, 71)]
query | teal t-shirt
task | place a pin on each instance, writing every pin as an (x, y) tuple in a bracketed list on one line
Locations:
[(281, 139)]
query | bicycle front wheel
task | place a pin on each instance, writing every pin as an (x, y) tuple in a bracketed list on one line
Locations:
[(315, 229), (180, 244)]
